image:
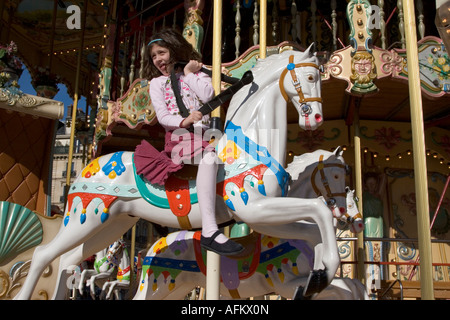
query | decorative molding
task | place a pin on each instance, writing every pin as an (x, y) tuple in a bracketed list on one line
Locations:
[(13, 99)]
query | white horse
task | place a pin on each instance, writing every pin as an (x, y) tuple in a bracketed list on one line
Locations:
[(108, 198), (123, 276), (109, 262), (175, 264)]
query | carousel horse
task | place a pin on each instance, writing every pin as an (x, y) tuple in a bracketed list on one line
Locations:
[(107, 262), (109, 197), (176, 264), (122, 278)]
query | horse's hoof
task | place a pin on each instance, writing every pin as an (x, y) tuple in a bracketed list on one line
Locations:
[(298, 294), (317, 281)]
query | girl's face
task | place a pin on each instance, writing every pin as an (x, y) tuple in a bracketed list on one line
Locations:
[(161, 59)]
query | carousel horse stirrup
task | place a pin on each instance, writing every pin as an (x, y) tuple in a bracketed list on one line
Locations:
[(317, 281), (228, 248)]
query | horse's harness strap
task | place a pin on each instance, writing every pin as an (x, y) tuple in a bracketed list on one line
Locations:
[(320, 168), (291, 68), (218, 100)]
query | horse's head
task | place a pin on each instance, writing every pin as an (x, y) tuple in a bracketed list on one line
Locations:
[(352, 218), (114, 251), (320, 174), (300, 84), (328, 181)]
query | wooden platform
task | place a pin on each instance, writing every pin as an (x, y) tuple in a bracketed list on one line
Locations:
[(411, 290)]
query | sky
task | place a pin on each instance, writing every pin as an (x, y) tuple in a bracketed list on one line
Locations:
[(62, 95)]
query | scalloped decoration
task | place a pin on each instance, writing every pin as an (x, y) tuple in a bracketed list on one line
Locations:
[(20, 230)]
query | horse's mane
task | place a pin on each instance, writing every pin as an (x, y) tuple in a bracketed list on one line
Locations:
[(300, 163), (267, 71), (276, 63)]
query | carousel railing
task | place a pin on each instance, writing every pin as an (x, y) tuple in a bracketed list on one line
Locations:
[(398, 264)]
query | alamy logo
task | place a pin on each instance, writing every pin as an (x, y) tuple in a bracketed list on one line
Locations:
[(74, 21), (374, 19)]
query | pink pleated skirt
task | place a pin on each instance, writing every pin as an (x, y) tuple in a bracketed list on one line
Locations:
[(156, 166)]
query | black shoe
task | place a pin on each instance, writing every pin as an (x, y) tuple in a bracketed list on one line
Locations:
[(228, 248)]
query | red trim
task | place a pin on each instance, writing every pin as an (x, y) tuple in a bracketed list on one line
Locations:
[(257, 172), (86, 198), (174, 186)]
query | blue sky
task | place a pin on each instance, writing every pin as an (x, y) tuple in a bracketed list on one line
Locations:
[(62, 95)]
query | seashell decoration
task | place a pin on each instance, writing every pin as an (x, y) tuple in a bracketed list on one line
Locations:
[(20, 230)]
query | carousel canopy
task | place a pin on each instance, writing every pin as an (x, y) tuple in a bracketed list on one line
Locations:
[(49, 44)]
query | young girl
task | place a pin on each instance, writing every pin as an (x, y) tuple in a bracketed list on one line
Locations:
[(165, 49)]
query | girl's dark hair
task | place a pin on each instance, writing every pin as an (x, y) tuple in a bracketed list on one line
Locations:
[(179, 48)]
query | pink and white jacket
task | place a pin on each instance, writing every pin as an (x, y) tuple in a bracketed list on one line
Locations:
[(196, 89)]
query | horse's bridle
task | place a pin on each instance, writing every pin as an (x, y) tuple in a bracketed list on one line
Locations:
[(330, 196), (305, 108)]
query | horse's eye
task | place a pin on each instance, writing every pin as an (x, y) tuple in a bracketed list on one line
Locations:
[(310, 77)]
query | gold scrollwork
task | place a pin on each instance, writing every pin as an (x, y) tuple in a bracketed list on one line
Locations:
[(4, 284)]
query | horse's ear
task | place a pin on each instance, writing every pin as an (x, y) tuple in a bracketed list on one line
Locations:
[(311, 51), (338, 152)]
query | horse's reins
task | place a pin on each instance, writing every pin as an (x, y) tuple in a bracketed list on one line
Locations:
[(330, 196), (305, 108), (218, 100)]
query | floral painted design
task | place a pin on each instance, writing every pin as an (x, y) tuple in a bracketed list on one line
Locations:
[(440, 65), (310, 140), (269, 242), (91, 169), (161, 246), (141, 100), (388, 137), (230, 153)]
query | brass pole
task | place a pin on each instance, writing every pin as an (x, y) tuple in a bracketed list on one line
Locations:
[(217, 60), (358, 186), (75, 101), (212, 258), (263, 29), (420, 164)]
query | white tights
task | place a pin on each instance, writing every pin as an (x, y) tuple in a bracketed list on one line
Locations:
[(206, 192)]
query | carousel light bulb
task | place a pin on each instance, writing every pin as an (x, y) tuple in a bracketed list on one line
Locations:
[(408, 152), (375, 154), (399, 155), (435, 155), (387, 158), (366, 150)]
